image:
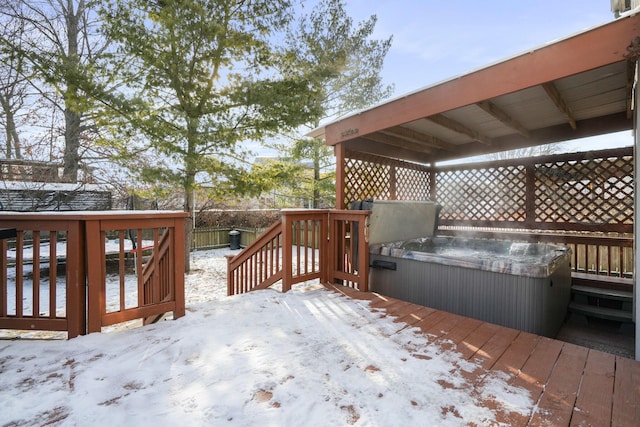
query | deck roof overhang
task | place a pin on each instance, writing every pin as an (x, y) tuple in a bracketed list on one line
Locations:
[(576, 87)]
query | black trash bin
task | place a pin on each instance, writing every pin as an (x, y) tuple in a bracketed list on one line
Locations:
[(234, 240)]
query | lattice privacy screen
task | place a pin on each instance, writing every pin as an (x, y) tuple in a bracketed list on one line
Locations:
[(590, 191), (581, 191), (483, 194), (372, 177)]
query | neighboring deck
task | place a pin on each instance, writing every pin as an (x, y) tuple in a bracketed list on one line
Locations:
[(569, 385)]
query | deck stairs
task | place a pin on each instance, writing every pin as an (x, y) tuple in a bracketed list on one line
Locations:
[(613, 303)]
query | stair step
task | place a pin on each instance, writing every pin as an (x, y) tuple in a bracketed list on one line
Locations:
[(601, 312), (612, 282), (602, 293)]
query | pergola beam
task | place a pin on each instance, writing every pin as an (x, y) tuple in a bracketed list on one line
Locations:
[(419, 138), (396, 142), (595, 48), (558, 100), (458, 127), (394, 152), (498, 113)]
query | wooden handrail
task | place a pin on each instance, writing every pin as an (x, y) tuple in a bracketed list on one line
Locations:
[(84, 239), (239, 273), (304, 245)]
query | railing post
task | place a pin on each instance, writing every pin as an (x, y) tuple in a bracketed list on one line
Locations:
[(76, 284), (96, 299), (530, 196), (363, 255), (230, 276), (179, 266), (324, 245), (287, 252)]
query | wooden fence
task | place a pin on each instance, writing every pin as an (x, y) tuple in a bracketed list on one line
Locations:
[(218, 237), (58, 282)]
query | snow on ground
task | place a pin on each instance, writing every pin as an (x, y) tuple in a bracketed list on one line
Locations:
[(308, 357)]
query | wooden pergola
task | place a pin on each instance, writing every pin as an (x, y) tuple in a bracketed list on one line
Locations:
[(577, 87)]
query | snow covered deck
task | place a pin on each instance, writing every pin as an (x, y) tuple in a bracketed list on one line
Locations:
[(571, 385)]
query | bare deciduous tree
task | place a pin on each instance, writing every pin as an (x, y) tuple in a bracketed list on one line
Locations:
[(60, 51)]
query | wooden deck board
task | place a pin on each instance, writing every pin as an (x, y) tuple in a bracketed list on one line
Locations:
[(533, 375), (462, 330), (556, 404), (626, 393), (570, 385), (594, 402), (493, 349), (472, 343)]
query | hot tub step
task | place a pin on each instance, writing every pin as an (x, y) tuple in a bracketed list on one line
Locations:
[(602, 293), (601, 312)]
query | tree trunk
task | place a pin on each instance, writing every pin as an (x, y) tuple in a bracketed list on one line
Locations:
[(316, 177), (12, 149), (189, 190), (72, 145), (188, 227), (71, 115)]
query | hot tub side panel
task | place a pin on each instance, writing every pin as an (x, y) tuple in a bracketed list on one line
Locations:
[(536, 305)]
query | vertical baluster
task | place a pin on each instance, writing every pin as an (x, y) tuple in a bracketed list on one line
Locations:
[(271, 257), (138, 261), (121, 267), (262, 262), (53, 274), (298, 245), (154, 280), (19, 272), (254, 270), (35, 288), (314, 232), (586, 258), (307, 244), (3, 278), (278, 249)]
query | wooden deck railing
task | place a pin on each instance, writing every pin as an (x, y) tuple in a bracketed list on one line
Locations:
[(304, 245), (59, 281)]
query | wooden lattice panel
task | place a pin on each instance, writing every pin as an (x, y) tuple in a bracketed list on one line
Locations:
[(411, 184), (586, 191), (580, 192), (482, 194), (372, 177), (366, 180)]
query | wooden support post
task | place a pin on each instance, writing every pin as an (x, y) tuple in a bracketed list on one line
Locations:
[(324, 248), (96, 300), (339, 152), (287, 252), (363, 256), (433, 184), (393, 188), (530, 196), (76, 285), (179, 266)]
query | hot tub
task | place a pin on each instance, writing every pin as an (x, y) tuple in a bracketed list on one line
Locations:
[(525, 286)]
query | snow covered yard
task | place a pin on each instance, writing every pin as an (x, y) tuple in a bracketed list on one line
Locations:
[(307, 357)]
